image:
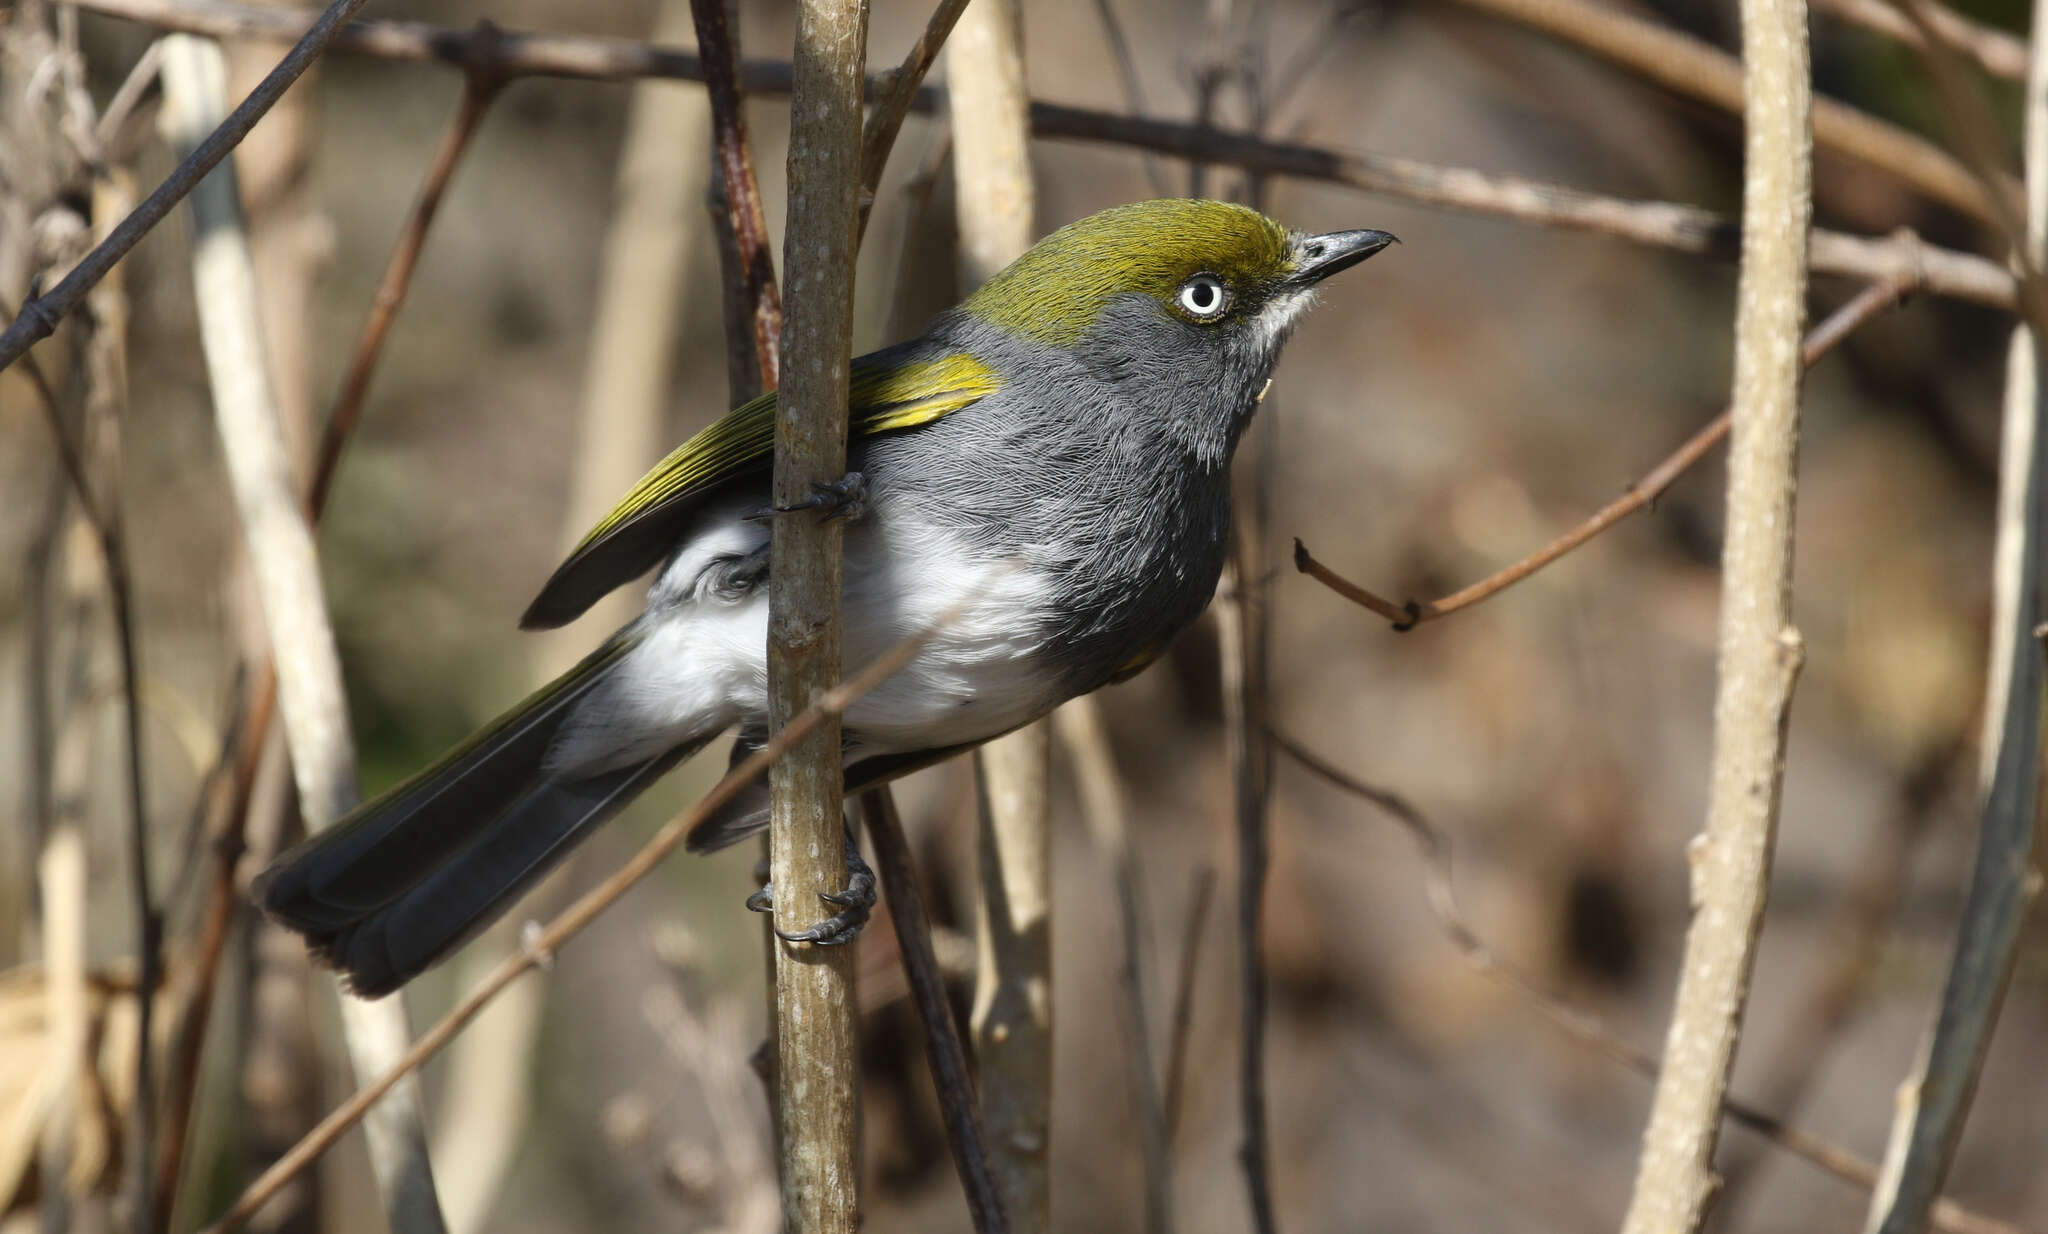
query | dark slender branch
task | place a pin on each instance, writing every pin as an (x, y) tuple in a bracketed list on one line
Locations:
[(1666, 225), (943, 1049), (481, 84), (746, 222), (39, 316), (1583, 1026), (1822, 339)]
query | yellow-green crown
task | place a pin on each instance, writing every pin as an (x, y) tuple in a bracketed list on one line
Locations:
[(1054, 292)]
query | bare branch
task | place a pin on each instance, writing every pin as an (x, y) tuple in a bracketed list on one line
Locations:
[(480, 87), (1644, 492), (1760, 651), (814, 985), (1666, 225)]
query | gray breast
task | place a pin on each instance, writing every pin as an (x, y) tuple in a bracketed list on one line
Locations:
[(1092, 478)]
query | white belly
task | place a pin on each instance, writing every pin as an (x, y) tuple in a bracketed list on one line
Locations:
[(700, 664)]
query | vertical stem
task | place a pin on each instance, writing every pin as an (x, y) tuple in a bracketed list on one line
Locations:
[(1012, 1020), (815, 1076), (286, 566), (1760, 651), (2003, 885)]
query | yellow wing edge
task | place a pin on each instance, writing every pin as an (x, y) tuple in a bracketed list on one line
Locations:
[(881, 399)]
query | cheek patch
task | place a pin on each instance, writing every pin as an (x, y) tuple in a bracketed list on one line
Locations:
[(1276, 319)]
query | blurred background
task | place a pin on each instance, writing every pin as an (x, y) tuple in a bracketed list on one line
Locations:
[(1448, 408)]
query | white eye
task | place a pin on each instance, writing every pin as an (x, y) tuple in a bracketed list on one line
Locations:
[(1204, 296)]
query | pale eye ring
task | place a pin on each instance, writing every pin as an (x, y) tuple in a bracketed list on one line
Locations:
[(1203, 297)]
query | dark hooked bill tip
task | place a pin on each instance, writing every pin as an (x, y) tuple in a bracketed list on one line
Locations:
[(1322, 256)]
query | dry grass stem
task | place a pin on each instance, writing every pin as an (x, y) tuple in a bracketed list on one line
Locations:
[(1666, 225), (1760, 651), (287, 574), (1643, 493)]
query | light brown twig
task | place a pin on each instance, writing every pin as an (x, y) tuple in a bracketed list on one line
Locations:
[(1406, 616), (1760, 649), (480, 88), (1687, 66)]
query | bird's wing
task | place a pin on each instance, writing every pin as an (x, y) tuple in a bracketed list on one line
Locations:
[(886, 395)]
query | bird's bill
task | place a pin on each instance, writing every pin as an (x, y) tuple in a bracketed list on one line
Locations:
[(1319, 257)]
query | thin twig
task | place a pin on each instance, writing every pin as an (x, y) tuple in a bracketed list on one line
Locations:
[(1584, 1026), (892, 103), (1184, 997), (1698, 70), (481, 85), (1665, 225), (1406, 616), (951, 1075), (39, 316), (548, 940), (1760, 649)]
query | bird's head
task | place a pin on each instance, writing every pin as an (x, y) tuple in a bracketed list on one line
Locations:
[(1188, 301)]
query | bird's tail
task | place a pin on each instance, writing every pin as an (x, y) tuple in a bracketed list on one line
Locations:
[(390, 890)]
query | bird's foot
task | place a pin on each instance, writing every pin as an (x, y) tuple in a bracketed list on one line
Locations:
[(845, 498), (855, 902)]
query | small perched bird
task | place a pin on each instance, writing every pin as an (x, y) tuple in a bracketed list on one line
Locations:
[(1049, 465)]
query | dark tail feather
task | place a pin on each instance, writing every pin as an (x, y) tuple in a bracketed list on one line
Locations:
[(405, 879)]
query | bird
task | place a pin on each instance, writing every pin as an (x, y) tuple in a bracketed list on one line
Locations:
[(1047, 467)]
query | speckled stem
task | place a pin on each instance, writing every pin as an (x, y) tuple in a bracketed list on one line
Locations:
[(814, 985), (1760, 651)]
